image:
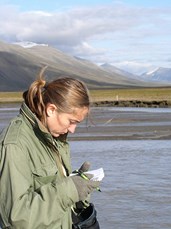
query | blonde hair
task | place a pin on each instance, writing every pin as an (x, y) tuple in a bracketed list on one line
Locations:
[(65, 92)]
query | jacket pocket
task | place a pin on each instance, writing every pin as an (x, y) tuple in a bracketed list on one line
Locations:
[(44, 175)]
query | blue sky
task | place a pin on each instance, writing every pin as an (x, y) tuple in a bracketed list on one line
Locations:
[(130, 34)]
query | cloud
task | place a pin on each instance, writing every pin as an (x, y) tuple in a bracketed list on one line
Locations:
[(134, 67), (112, 31)]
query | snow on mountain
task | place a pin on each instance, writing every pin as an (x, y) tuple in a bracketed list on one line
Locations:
[(159, 74), (152, 72), (28, 44)]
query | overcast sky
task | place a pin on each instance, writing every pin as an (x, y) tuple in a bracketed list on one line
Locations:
[(128, 33)]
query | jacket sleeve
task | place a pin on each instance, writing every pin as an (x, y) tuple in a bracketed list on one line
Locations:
[(20, 204)]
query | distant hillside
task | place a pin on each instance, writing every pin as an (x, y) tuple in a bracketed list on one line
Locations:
[(124, 74), (159, 74), (19, 67)]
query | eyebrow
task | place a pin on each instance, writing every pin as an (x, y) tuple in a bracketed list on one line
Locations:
[(74, 120)]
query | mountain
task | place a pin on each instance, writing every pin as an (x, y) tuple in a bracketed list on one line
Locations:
[(159, 74), (123, 73), (19, 66)]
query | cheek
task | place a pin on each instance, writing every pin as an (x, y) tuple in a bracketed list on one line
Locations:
[(61, 122), (57, 123), (51, 123)]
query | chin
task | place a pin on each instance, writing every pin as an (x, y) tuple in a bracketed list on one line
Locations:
[(55, 135)]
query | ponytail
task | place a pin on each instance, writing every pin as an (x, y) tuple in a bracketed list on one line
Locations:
[(33, 97)]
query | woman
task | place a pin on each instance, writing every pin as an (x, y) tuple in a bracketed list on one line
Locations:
[(36, 190)]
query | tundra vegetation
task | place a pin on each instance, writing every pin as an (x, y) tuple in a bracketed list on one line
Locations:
[(144, 97), (159, 97)]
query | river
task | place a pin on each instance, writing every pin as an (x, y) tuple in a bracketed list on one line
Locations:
[(134, 148), (136, 189)]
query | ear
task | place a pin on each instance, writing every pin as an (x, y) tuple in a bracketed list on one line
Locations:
[(50, 109)]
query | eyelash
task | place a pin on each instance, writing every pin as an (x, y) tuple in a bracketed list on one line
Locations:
[(73, 122)]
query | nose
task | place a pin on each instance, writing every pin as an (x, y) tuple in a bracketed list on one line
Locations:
[(72, 128)]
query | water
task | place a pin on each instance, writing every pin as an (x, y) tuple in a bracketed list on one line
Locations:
[(7, 112), (136, 190)]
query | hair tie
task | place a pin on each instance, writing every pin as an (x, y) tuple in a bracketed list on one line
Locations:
[(45, 86)]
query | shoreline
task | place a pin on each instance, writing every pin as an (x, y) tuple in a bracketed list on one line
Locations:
[(121, 138), (114, 124), (133, 103)]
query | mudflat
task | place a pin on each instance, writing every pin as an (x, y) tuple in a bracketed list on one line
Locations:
[(111, 123)]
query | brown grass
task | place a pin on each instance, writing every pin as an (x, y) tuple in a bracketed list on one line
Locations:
[(145, 94), (10, 97)]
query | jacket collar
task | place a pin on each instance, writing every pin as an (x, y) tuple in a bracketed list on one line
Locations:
[(31, 117), (37, 125)]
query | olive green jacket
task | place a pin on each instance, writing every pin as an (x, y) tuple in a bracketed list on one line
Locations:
[(33, 193)]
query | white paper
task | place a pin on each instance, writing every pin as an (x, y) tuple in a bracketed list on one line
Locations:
[(98, 174)]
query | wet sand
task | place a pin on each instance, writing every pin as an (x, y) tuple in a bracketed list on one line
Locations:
[(127, 124), (114, 123)]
